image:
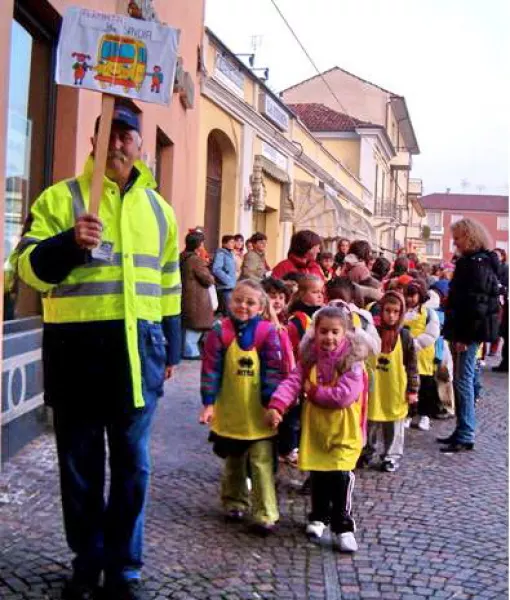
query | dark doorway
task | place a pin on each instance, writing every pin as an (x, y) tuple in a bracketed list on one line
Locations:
[(213, 194)]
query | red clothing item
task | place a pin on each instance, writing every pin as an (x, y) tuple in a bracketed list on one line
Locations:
[(296, 264)]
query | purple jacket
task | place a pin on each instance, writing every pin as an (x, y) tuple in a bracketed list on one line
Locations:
[(346, 390)]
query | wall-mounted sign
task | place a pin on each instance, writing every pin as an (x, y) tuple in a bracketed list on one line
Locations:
[(273, 111), (116, 54), (229, 74), (274, 156)]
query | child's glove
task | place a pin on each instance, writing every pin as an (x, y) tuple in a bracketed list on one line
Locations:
[(273, 418), (206, 415), (412, 398)]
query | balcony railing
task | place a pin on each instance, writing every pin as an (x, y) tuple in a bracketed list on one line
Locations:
[(386, 209)]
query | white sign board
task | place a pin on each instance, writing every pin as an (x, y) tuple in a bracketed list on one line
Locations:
[(274, 112), (117, 55), (229, 74), (274, 156)]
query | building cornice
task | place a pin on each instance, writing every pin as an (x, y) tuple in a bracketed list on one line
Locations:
[(382, 138), (244, 113)]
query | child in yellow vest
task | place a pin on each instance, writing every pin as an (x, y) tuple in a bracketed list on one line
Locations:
[(423, 324), (240, 371), (395, 383), (330, 374), (308, 299)]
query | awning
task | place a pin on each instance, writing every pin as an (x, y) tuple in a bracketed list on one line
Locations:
[(313, 208), (362, 229)]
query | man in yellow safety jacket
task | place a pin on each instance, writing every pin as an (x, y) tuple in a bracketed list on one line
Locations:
[(111, 304)]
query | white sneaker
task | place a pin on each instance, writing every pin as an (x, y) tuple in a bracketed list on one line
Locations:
[(347, 542), (424, 424), (315, 529), (407, 422)]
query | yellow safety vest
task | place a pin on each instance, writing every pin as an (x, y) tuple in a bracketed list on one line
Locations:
[(331, 439), (387, 399), (143, 279), (416, 327), (238, 410)]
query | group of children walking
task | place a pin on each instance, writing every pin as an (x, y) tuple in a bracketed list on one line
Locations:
[(322, 383)]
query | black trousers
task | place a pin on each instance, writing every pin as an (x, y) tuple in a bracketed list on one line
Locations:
[(332, 499), (289, 431), (429, 403)]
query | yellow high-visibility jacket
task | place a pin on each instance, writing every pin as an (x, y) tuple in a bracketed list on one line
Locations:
[(141, 282)]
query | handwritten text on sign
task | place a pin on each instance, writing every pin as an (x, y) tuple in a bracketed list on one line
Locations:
[(118, 55)]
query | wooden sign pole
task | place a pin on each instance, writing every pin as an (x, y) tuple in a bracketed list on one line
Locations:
[(101, 152)]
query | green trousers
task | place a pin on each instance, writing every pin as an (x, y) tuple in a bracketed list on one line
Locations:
[(234, 488)]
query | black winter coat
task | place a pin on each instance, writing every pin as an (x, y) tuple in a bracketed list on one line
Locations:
[(471, 313)]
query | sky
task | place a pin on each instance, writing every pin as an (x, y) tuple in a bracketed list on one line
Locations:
[(449, 58)]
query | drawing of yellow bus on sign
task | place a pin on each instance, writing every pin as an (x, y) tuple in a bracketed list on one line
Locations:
[(121, 60)]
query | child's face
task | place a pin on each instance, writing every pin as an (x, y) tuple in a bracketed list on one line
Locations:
[(327, 263), (330, 333), (277, 301), (314, 295), (245, 303), (412, 300), (391, 314)]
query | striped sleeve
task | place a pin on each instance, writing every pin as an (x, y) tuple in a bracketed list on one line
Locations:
[(45, 224), (170, 272)]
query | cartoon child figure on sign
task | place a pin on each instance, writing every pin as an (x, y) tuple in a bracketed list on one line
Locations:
[(157, 79), (80, 67), (134, 11)]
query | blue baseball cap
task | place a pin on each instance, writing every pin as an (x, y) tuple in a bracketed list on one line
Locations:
[(123, 117)]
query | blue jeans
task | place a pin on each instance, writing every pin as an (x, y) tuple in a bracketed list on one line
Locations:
[(191, 340), (464, 384), (478, 385), (104, 536)]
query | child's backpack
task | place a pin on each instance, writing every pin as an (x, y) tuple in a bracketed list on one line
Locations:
[(228, 335)]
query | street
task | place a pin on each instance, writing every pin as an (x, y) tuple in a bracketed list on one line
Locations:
[(435, 529)]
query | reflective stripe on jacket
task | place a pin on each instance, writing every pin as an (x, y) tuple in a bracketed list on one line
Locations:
[(142, 281)]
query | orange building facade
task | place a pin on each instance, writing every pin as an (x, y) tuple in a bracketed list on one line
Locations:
[(45, 133)]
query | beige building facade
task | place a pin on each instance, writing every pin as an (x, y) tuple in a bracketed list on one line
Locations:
[(261, 169), (379, 148)]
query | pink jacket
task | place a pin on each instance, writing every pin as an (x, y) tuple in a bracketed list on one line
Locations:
[(346, 390)]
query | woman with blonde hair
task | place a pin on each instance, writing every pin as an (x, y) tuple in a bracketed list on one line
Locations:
[(471, 317)]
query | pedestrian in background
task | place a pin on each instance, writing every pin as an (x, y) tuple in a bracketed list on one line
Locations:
[(395, 384), (302, 257), (224, 271), (330, 376), (255, 264), (238, 253), (342, 251), (241, 370), (197, 310), (111, 336), (471, 317), (327, 262)]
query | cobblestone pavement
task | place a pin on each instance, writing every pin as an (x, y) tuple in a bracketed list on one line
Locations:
[(435, 529)]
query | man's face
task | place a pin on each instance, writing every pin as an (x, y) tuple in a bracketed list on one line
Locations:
[(123, 151)]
